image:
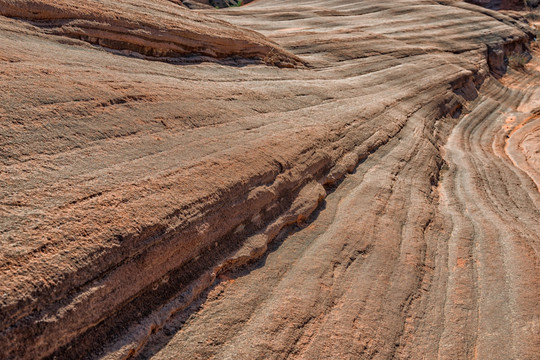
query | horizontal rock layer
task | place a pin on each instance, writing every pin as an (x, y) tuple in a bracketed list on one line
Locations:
[(500, 4), (159, 28), (129, 186)]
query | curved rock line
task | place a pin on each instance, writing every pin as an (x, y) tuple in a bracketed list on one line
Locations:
[(466, 286), (157, 29), (496, 237), (521, 147), (189, 173)]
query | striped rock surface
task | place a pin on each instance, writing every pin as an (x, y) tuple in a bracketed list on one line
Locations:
[(311, 179)]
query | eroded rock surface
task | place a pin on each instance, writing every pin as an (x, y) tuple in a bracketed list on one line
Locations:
[(130, 186), (158, 28), (500, 4)]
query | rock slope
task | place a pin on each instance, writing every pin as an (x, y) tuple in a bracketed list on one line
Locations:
[(156, 28), (130, 186), (500, 4)]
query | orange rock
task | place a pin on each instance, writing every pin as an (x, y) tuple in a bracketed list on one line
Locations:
[(148, 151)]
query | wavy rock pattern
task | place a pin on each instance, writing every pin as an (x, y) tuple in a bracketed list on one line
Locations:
[(129, 187), (499, 4), (158, 29), (397, 268)]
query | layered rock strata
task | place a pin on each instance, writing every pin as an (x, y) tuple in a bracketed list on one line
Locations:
[(158, 29), (130, 186), (501, 4)]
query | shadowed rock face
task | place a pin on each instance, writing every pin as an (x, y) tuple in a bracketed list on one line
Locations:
[(499, 4), (386, 154)]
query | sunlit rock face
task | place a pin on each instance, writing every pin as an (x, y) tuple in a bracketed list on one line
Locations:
[(305, 179)]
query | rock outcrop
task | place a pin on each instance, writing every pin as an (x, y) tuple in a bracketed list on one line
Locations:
[(158, 29), (386, 137), (500, 4)]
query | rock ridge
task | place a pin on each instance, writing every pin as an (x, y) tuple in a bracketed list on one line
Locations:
[(157, 29), (174, 195)]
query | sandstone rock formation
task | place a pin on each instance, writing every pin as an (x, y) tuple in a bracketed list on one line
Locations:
[(500, 4), (152, 154), (155, 28)]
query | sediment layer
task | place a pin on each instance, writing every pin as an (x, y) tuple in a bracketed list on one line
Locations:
[(130, 186), (159, 29)]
